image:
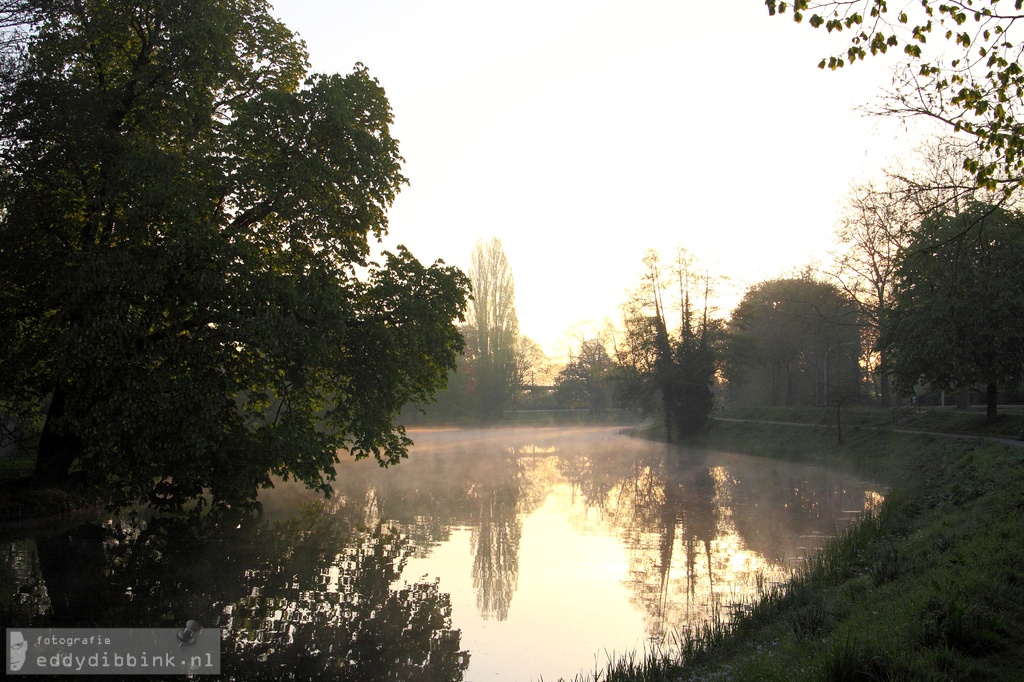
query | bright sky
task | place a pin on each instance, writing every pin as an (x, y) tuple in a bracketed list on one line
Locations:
[(582, 133)]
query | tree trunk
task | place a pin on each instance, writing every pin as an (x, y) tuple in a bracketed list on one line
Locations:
[(839, 423), (669, 402), (884, 390), (57, 449), (72, 565), (789, 383), (991, 402)]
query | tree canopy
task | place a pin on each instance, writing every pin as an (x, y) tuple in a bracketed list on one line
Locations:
[(671, 370), (185, 217), (795, 341), (495, 327), (586, 379), (958, 304), (974, 85)]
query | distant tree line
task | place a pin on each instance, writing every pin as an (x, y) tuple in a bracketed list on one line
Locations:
[(934, 264), (925, 293), (498, 361)]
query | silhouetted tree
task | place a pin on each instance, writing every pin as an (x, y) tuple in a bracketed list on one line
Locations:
[(958, 313), (787, 340), (492, 314), (680, 367), (185, 217), (586, 380), (872, 230)]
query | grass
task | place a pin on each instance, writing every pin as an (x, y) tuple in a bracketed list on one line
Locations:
[(929, 587), (1009, 424)]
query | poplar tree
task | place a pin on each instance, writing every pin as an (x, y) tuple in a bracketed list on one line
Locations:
[(495, 327)]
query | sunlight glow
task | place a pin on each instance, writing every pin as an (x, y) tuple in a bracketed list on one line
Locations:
[(583, 133)]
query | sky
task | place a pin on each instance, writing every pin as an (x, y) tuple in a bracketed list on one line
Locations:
[(582, 133)]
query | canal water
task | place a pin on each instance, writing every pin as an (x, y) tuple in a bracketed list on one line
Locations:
[(499, 554)]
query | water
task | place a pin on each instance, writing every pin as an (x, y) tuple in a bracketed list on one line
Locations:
[(501, 554)]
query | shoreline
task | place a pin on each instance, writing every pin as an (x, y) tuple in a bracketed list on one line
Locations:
[(930, 587)]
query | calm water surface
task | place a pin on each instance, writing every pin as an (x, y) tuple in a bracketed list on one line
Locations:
[(505, 554)]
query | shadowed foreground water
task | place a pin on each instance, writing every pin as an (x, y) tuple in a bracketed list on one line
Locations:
[(504, 554)]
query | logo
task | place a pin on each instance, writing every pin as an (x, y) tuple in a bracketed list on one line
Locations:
[(19, 650)]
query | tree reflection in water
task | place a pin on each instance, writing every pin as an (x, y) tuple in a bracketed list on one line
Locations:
[(472, 482), (328, 610), (701, 537), (497, 529), (315, 589), (309, 599)]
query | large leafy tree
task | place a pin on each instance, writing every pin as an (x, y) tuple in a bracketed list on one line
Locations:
[(958, 303), (973, 82), (587, 377), (795, 340), (15, 18), (184, 255)]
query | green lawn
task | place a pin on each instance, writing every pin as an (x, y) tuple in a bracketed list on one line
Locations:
[(1009, 424)]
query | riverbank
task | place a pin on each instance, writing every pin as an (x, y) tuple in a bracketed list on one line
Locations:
[(930, 587), (22, 501)]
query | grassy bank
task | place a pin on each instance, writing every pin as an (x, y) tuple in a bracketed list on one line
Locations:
[(931, 587), (1009, 424)]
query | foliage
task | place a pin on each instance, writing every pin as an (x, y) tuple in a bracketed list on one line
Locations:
[(974, 85), (871, 233), (317, 596), (495, 328), (794, 341), (184, 255), (461, 401), (958, 304), (586, 380), (876, 224), (532, 366), (696, 364), (672, 372)]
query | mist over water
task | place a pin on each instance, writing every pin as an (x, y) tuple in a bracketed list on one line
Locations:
[(559, 544), (501, 554)]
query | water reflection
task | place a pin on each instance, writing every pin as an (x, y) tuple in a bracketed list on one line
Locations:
[(495, 539), (26, 596), (310, 598), (482, 546), (330, 612)]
